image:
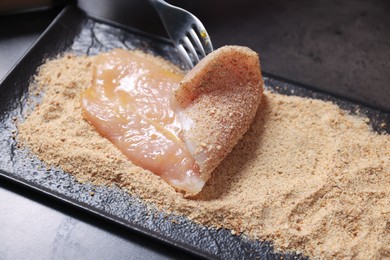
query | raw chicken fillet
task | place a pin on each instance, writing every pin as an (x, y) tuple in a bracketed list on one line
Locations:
[(144, 107)]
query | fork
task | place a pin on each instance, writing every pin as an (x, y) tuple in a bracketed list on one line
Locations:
[(186, 32)]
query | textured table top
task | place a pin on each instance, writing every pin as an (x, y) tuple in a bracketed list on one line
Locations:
[(339, 47)]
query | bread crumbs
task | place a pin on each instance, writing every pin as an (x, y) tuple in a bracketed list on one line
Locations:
[(307, 175)]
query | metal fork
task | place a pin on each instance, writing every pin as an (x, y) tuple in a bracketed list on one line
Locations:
[(185, 30)]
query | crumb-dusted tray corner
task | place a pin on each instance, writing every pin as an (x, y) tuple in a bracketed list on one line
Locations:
[(73, 31)]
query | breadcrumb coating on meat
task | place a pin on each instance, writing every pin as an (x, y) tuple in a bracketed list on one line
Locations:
[(220, 96)]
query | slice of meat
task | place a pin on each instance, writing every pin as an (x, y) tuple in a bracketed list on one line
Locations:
[(129, 104), (217, 102), (180, 132)]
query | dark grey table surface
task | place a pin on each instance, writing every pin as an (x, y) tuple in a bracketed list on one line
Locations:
[(341, 47)]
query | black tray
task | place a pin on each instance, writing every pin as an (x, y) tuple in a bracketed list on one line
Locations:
[(74, 31)]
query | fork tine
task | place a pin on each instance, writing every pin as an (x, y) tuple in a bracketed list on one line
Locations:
[(190, 47), (185, 30), (198, 44), (205, 37), (185, 55)]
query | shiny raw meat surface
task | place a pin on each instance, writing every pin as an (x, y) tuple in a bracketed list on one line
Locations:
[(129, 104)]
